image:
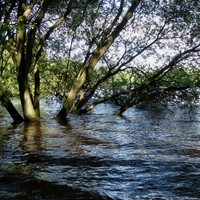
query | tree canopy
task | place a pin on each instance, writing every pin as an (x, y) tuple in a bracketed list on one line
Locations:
[(129, 51)]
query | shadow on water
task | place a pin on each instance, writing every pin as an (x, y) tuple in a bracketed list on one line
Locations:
[(19, 166), (99, 156), (31, 188)]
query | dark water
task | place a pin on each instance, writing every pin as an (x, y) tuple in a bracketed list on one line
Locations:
[(144, 155)]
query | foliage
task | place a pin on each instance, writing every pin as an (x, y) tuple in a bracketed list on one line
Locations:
[(58, 76), (127, 52), (8, 82)]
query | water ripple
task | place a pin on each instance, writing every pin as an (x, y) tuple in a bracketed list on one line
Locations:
[(145, 155)]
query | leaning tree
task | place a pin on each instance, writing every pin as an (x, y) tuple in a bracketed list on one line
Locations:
[(124, 36)]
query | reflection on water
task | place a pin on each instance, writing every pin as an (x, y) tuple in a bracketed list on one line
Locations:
[(144, 155)]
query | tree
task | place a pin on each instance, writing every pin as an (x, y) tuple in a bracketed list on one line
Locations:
[(107, 38), (26, 26), (163, 25), (111, 36)]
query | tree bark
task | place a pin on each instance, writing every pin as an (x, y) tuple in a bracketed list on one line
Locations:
[(25, 93), (37, 91), (10, 108), (26, 101)]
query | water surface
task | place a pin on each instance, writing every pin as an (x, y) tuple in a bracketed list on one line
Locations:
[(146, 154)]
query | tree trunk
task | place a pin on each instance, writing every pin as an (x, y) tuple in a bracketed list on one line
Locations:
[(37, 93), (82, 77), (67, 104), (10, 108), (26, 99)]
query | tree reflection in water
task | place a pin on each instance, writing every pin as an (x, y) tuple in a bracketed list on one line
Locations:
[(145, 155)]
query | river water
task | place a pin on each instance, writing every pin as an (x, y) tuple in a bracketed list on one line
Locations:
[(146, 154)]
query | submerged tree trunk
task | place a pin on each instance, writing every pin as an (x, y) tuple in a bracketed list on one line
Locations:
[(37, 92), (25, 94), (26, 101), (10, 108)]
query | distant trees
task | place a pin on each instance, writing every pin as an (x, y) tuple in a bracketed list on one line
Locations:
[(153, 46)]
